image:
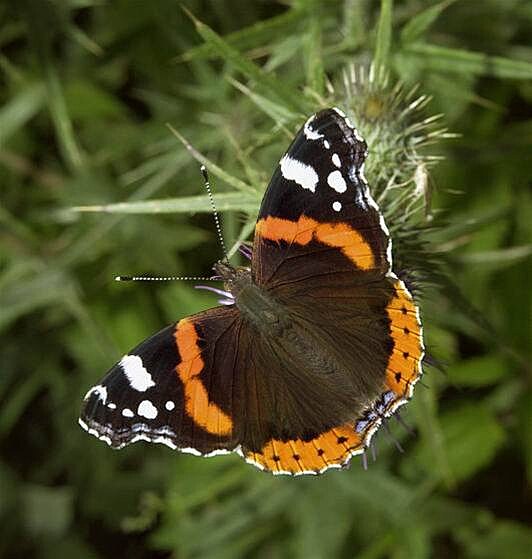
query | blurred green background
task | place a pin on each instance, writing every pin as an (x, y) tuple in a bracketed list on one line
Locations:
[(87, 87)]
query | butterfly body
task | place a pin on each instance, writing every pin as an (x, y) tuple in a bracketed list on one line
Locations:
[(319, 340), (254, 303)]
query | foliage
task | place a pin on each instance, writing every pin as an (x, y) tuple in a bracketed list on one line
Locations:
[(94, 184)]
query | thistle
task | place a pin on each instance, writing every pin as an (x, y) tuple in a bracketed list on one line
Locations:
[(392, 118)]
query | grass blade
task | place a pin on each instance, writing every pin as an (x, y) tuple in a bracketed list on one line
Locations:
[(497, 257), (315, 69), (225, 201), (445, 59), (216, 171), (249, 37), (383, 39), (42, 37), (291, 99), (20, 109), (419, 24)]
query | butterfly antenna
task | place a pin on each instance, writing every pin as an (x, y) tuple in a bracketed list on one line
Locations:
[(217, 222), (165, 278)]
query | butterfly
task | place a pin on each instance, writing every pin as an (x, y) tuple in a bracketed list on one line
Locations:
[(316, 344)]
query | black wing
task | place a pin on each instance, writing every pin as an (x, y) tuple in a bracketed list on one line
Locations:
[(318, 203)]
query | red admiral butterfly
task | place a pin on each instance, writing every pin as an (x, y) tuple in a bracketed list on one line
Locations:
[(316, 343)]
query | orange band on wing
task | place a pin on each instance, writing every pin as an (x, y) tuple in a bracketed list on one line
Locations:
[(204, 413), (306, 229), (332, 448), (405, 330)]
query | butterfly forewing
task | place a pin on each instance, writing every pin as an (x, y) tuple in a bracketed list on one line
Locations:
[(318, 203)]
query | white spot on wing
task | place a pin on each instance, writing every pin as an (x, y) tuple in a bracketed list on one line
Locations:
[(100, 390), (111, 406), (126, 412), (169, 405), (355, 132), (147, 409), (217, 452), (337, 206), (94, 432), (326, 144), (189, 450), (137, 375), (309, 132), (297, 171), (336, 160), (336, 181)]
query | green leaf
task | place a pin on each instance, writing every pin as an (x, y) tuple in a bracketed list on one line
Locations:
[(525, 431), (40, 19), (47, 287), (20, 109), (320, 535), (444, 59), (375, 491), (8, 489), (278, 113), (61, 118), (18, 401), (70, 545), (281, 91), (421, 22), (497, 258), (47, 510), (383, 39), (84, 40), (215, 169), (475, 221), (314, 58), (478, 371), (458, 93), (87, 101), (225, 201), (265, 31), (284, 51), (503, 539), (472, 437), (432, 442), (353, 20), (444, 514)]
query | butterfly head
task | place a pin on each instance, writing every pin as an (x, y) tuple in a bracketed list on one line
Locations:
[(234, 278)]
